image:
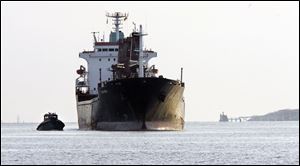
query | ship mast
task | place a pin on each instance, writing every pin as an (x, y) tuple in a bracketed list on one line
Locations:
[(118, 18), (141, 65), (141, 57)]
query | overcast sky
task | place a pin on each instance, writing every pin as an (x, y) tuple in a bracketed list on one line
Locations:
[(238, 57)]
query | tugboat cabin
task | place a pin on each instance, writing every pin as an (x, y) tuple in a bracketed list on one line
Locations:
[(50, 116)]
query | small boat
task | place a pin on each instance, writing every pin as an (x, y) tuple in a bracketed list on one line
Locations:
[(223, 118), (51, 122)]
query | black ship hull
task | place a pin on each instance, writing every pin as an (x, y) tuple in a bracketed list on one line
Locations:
[(138, 104)]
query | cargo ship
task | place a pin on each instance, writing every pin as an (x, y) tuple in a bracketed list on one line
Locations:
[(120, 91)]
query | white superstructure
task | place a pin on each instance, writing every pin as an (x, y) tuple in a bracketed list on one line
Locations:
[(99, 64), (105, 54)]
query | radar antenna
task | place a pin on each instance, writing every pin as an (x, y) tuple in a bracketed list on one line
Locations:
[(118, 17)]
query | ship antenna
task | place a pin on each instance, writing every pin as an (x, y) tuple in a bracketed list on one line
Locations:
[(118, 17), (95, 39), (103, 36), (134, 30)]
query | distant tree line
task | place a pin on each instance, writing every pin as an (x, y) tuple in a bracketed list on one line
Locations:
[(281, 115)]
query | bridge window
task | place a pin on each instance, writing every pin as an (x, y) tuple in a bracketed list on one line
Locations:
[(108, 59), (104, 49), (99, 50), (116, 49), (99, 59), (108, 79), (114, 59), (111, 49)]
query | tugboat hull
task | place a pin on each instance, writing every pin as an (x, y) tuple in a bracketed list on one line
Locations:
[(51, 125)]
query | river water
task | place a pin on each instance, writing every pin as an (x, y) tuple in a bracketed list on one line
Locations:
[(199, 143)]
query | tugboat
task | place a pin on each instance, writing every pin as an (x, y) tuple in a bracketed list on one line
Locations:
[(51, 122), (119, 90)]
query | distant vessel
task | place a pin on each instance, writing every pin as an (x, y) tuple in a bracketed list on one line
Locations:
[(223, 118), (120, 91), (51, 122)]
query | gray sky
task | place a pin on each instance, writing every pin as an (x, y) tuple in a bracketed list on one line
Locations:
[(238, 57)]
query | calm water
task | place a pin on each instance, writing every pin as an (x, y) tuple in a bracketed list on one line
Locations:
[(199, 143)]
